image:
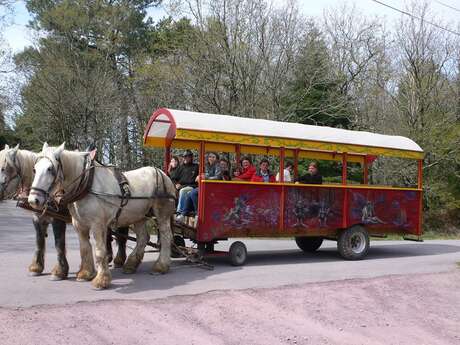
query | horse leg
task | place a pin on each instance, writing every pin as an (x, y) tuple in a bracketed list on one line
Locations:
[(86, 271), (163, 212), (103, 276), (135, 258), (61, 269), (121, 242), (38, 260), (109, 245)]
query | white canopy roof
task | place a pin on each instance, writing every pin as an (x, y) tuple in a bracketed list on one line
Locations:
[(193, 121)]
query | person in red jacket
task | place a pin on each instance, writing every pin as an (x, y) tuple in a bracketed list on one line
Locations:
[(263, 174), (246, 172)]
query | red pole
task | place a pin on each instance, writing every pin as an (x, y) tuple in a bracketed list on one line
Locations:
[(281, 227), (365, 171), (420, 186), (237, 156), (296, 164), (167, 158), (201, 185), (345, 191)]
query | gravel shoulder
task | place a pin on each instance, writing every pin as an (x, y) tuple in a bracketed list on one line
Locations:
[(400, 309)]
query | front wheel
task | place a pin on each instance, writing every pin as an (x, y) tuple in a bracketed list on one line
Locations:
[(238, 253), (353, 243), (309, 244)]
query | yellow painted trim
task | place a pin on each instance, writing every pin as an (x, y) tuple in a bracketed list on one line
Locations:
[(155, 142), (185, 144), (273, 142), (350, 186), (218, 147)]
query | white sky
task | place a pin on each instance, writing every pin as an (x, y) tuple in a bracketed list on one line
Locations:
[(18, 35)]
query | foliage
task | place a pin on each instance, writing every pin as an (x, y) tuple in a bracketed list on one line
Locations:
[(101, 67)]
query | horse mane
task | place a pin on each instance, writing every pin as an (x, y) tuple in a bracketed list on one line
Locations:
[(72, 164), (26, 160)]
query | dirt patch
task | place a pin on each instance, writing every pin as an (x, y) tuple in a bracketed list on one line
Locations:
[(415, 309)]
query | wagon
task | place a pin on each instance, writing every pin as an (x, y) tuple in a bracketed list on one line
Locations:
[(347, 213)]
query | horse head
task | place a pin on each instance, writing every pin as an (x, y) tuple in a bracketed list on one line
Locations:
[(48, 175), (10, 172)]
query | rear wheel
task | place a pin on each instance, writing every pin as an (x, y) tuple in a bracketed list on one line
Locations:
[(309, 244), (238, 253), (353, 243)]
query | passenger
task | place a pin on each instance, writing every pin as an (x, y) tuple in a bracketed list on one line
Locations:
[(212, 172), (263, 174), (173, 168), (186, 179), (225, 169), (289, 166), (247, 170), (313, 176)]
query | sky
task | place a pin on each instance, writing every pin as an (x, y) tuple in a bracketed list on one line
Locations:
[(18, 36)]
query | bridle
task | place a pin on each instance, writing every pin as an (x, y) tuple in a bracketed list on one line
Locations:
[(55, 171), (17, 175)]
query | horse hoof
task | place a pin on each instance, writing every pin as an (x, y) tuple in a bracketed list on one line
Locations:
[(85, 276), (35, 270), (118, 262), (101, 281), (129, 270), (160, 268), (35, 274), (55, 278)]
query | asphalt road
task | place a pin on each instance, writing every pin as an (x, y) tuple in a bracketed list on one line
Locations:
[(271, 263)]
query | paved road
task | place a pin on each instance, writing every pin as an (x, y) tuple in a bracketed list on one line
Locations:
[(271, 263)]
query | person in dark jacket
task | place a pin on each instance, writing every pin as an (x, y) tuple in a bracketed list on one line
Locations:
[(186, 179), (263, 174), (211, 172), (313, 176)]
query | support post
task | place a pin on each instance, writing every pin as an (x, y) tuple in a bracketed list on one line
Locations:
[(237, 155), (296, 164), (281, 171), (201, 185), (345, 191), (167, 158), (365, 171), (420, 186)]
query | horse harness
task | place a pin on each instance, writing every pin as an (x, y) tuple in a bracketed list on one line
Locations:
[(59, 201)]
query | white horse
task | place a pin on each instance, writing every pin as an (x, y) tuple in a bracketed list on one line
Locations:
[(16, 175), (151, 190)]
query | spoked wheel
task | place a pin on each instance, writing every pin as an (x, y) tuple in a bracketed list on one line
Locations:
[(309, 244), (238, 253), (353, 243), (178, 242)]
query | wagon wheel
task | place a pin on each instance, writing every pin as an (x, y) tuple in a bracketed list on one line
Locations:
[(353, 243), (178, 241), (238, 253), (309, 244)]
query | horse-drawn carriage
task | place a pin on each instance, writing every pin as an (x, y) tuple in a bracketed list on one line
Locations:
[(347, 213)]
